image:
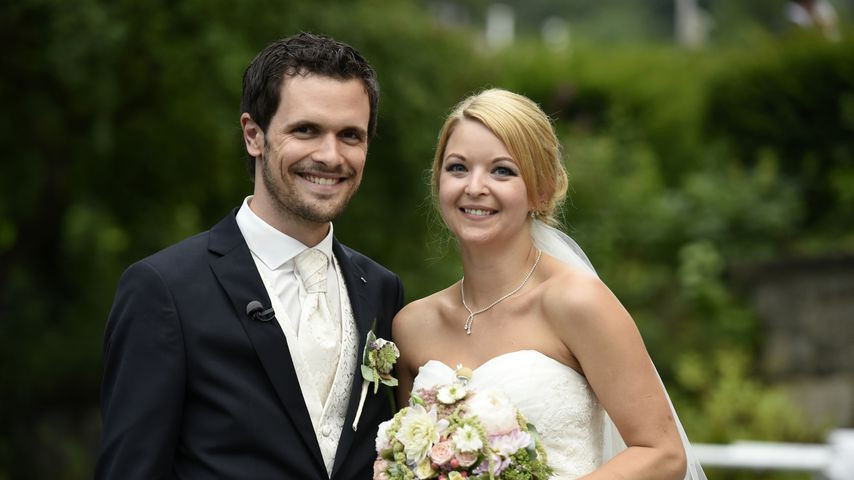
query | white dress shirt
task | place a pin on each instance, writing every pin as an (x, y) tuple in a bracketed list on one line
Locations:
[(274, 253)]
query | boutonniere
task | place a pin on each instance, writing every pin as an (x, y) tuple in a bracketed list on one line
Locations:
[(378, 360)]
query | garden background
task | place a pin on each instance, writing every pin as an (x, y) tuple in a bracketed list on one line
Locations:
[(688, 166)]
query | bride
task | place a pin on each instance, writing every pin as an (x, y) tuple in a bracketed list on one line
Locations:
[(530, 317)]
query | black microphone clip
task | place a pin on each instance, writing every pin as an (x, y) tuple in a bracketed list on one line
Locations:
[(256, 312)]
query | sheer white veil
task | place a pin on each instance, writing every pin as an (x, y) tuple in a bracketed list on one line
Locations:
[(560, 246)]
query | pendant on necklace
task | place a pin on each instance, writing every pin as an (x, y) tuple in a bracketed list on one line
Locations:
[(468, 323)]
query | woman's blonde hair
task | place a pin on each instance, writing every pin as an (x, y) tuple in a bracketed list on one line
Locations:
[(527, 133)]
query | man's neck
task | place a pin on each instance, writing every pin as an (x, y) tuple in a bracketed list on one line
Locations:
[(306, 232)]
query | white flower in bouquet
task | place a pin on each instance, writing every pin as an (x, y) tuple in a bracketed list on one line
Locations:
[(383, 440), (424, 469), (450, 394), (419, 430), (495, 412), (510, 443), (467, 439)]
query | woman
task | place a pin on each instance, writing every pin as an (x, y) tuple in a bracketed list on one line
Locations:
[(530, 317)]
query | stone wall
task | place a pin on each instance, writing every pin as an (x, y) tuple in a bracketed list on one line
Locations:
[(806, 307)]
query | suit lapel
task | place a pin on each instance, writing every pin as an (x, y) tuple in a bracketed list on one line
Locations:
[(356, 282), (235, 270)]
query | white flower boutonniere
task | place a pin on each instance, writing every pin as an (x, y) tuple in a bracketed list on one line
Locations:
[(378, 360)]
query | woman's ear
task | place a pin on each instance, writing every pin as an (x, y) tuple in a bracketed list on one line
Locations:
[(538, 206)]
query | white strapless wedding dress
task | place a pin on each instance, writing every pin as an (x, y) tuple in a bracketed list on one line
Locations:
[(556, 399)]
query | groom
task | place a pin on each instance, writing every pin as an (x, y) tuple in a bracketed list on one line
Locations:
[(236, 353)]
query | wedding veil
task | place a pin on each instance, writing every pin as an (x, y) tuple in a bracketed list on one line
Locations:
[(560, 246)]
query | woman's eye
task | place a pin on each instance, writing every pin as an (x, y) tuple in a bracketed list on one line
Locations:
[(455, 167), (504, 172)]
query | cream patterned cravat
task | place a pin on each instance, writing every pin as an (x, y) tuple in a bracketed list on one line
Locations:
[(319, 334)]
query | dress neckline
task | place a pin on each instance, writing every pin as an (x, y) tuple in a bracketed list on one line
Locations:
[(507, 354)]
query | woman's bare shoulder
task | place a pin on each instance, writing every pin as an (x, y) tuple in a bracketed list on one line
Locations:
[(422, 313), (416, 327), (574, 295)]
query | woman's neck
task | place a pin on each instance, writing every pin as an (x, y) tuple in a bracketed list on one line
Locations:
[(492, 271)]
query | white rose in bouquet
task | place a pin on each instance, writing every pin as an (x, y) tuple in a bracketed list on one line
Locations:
[(495, 412)]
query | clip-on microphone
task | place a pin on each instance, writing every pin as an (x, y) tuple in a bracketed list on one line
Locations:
[(256, 312)]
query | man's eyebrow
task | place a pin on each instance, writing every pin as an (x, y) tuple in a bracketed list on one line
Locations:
[(301, 123)]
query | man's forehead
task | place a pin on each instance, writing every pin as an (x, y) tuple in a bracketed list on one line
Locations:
[(324, 99), (304, 76)]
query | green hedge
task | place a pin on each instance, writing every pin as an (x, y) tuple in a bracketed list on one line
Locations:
[(796, 102)]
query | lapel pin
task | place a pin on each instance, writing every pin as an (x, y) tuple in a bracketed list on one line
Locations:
[(363, 280)]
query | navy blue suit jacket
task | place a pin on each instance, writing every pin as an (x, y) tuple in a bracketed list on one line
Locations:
[(195, 389)]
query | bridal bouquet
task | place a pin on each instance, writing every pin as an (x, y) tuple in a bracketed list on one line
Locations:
[(452, 432)]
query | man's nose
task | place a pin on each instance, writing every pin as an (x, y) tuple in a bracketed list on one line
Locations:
[(328, 150)]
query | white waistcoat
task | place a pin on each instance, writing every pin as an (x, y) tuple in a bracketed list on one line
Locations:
[(327, 419)]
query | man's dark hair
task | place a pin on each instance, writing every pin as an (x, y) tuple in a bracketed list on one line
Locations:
[(301, 54)]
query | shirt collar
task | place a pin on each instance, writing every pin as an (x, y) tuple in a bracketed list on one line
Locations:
[(271, 246)]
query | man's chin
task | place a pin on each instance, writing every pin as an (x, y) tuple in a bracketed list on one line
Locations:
[(312, 214)]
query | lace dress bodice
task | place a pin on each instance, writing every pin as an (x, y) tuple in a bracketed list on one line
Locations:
[(556, 399)]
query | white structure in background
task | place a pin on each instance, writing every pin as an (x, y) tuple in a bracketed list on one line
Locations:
[(500, 20), (692, 24), (818, 14), (833, 461), (555, 33)]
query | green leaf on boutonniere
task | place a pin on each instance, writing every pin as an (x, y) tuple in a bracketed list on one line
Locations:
[(378, 361)]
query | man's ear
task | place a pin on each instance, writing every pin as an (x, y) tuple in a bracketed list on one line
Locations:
[(253, 136)]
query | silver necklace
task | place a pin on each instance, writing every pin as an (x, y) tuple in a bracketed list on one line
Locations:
[(472, 314)]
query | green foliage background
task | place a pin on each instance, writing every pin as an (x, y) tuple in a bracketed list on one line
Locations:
[(120, 136)]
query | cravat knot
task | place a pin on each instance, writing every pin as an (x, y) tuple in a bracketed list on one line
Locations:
[(311, 265)]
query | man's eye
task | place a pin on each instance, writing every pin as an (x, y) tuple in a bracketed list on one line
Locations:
[(351, 135), (303, 129)]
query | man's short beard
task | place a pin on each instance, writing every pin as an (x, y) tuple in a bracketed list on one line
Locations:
[(291, 205)]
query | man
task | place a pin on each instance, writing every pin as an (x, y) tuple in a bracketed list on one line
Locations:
[(199, 381)]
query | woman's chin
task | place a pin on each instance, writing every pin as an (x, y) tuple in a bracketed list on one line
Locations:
[(479, 238)]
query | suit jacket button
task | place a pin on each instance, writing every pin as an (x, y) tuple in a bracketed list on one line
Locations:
[(326, 431)]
